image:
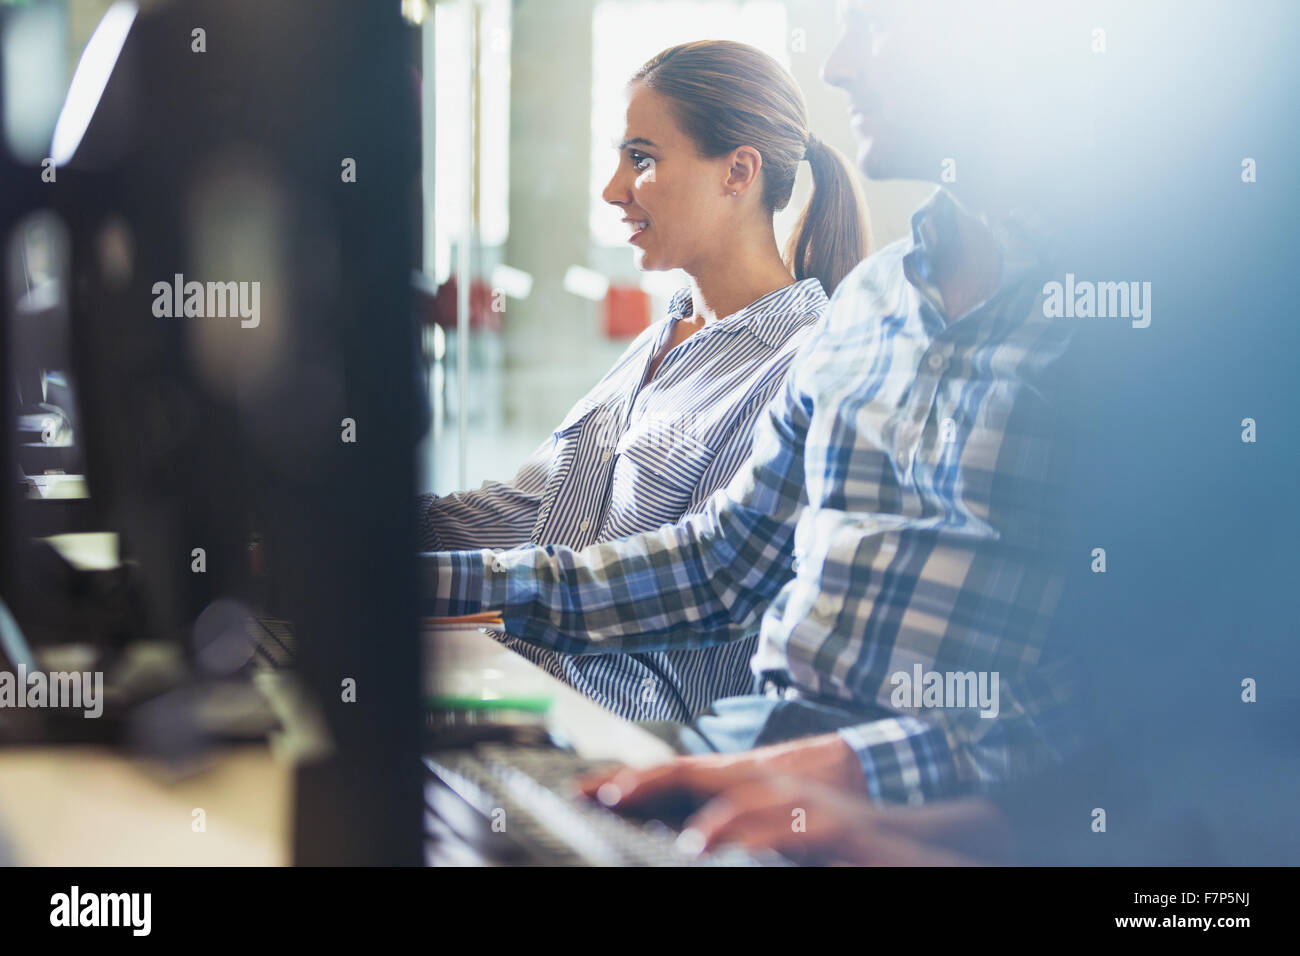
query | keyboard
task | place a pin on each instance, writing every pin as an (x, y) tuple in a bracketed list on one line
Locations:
[(517, 805), (273, 642)]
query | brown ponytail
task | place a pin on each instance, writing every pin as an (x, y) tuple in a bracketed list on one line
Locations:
[(727, 94), (831, 236)]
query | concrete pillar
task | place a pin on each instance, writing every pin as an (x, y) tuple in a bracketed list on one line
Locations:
[(550, 136)]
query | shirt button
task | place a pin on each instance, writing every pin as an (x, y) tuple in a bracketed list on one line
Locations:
[(794, 563), (606, 456), (498, 567), (937, 361), (586, 523)]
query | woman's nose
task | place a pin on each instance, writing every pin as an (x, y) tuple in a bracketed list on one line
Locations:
[(615, 192)]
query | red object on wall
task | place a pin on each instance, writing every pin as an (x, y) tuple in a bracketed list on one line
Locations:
[(627, 311), (441, 307)]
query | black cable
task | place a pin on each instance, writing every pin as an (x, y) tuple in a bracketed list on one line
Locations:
[(687, 719)]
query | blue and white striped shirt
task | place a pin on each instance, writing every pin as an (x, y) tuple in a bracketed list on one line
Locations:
[(897, 516), (628, 459)]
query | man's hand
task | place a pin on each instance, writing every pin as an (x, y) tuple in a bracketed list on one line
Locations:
[(825, 759), (808, 800), (811, 823)]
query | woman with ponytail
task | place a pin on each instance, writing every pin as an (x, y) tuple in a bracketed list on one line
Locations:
[(746, 118), (714, 134)]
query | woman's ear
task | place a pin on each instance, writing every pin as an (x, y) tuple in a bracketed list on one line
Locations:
[(742, 169)]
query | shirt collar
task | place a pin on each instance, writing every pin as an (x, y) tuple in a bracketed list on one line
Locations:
[(770, 318), (1023, 240)]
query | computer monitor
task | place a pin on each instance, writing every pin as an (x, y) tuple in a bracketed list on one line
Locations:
[(235, 181)]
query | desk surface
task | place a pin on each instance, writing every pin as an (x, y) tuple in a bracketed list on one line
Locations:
[(64, 806), (470, 663), (93, 807)]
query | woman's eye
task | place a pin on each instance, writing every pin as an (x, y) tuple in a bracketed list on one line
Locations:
[(641, 161)]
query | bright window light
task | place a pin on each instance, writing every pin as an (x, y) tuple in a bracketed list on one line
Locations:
[(88, 83)]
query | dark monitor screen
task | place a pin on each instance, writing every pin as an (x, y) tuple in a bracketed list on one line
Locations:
[(240, 339)]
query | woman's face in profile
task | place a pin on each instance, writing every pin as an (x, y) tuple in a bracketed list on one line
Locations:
[(672, 200)]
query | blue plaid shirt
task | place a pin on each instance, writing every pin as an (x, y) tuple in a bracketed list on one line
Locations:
[(896, 517)]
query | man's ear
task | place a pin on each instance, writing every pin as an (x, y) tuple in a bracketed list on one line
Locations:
[(742, 170)]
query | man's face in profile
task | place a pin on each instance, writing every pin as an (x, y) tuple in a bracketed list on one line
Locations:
[(924, 79)]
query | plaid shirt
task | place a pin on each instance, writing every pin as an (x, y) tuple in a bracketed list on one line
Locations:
[(897, 515)]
